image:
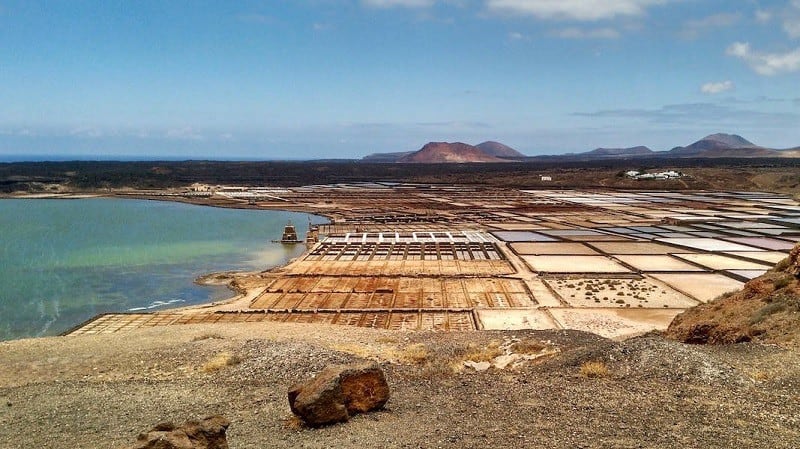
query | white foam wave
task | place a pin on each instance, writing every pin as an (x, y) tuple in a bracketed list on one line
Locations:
[(155, 305)]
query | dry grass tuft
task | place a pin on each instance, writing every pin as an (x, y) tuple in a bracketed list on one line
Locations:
[(211, 336), (529, 347), (220, 361), (783, 264), (415, 354), (725, 295), (486, 354), (439, 369), (386, 340), (594, 369)]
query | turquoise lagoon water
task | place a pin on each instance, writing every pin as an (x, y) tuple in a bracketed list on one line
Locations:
[(64, 261)]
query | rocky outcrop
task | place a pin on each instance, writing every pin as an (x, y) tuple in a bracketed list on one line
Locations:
[(767, 309), (793, 267), (206, 434), (339, 392)]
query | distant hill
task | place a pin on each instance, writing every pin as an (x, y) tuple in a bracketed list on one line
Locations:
[(716, 144), (619, 152), (385, 157), (713, 146), (444, 152), (499, 150)]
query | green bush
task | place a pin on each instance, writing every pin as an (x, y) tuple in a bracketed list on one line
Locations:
[(769, 309)]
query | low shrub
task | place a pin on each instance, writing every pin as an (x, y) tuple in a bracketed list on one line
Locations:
[(220, 361), (594, 369), (769, 309)]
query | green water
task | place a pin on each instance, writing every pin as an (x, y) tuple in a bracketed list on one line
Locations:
[(64, 261)]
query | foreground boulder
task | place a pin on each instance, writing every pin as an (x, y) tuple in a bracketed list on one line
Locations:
[(339, 392), (206, 434)]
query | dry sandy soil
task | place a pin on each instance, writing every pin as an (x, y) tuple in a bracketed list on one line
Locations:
[(101, 391)]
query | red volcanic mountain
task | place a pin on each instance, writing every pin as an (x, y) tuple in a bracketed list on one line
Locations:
[(498, 149), (441, 152)]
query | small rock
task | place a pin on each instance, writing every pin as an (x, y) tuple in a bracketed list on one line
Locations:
[(206, 434), (477, 366), (502, 361), (339, 392)]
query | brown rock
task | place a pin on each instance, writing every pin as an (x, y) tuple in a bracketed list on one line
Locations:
[(206, 434), (339, 392), (794, 261)]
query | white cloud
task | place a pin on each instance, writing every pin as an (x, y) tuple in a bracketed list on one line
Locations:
[(398, 3), (517, 36), (791, 19), (582, 10), (716, 88), (578, 33), (767, 64)]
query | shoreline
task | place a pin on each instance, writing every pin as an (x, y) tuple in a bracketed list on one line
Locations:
[(500, 259), (226, 278)]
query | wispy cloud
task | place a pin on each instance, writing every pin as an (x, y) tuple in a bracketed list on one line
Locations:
[(184, 133), (791, 20), (454, 124), (18, 132), (516, 36), (763, 16), (88, 132), (711, 114), (717, 87), (767, 64), (692, 29), (581, 33), (581, 10), (398, 3)]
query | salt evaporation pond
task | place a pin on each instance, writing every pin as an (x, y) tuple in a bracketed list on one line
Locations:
[(64, 261)]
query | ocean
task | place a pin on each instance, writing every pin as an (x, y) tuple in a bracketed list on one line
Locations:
[(65, 261)]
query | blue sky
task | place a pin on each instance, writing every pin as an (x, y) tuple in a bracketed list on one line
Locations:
[(344, 78)]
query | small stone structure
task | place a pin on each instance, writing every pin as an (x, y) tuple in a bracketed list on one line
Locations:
[(206, 434), (339, 392)]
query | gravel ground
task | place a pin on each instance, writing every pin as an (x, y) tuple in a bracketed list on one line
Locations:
[(101, 391)]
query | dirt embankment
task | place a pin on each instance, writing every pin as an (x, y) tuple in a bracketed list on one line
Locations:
[(590, 392), (767, 310)]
